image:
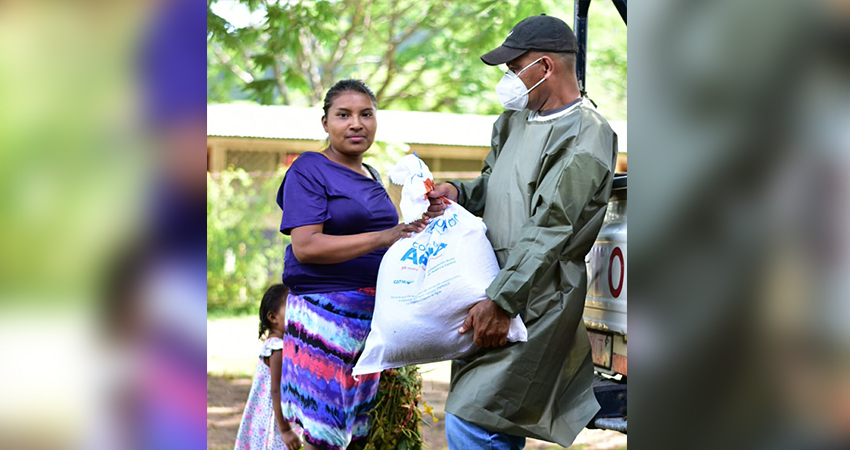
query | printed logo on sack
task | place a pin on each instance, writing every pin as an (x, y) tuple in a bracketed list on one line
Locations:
[(440, 225), (402, 281), (420, 253)]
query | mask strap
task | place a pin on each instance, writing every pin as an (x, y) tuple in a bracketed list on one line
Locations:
[(538, 84), (529, 89), (526, 67)]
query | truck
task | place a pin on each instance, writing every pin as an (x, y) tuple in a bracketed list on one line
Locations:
[(605, 308), (605, 312)]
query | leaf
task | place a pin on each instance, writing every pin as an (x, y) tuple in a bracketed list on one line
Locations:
[(262, 90), (264, 61), (416, 64), (236, 203)]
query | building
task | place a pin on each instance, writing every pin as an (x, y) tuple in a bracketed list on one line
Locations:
[(261, 138)]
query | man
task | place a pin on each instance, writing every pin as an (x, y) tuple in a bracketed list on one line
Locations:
[(543, 192)]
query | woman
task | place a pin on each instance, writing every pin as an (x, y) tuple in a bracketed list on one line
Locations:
[(341, 221)]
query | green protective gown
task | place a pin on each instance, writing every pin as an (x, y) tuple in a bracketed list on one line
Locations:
[(543, 193)]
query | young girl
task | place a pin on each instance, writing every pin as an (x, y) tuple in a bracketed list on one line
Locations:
[(263, 426)]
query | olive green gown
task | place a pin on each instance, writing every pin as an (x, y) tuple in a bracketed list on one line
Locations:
[(543, 193)]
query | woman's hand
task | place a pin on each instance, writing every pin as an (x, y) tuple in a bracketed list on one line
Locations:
[(391, 235), (291, 439), (311, 246)]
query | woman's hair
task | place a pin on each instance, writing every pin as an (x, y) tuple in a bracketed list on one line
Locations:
[(347, 86), (274, 297)]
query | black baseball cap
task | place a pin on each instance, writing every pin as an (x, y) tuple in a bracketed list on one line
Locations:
[(543, 33)]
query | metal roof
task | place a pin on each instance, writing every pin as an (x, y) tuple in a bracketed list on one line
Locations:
[(411, 127)]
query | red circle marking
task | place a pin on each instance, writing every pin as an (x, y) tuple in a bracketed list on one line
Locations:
[(616, 253)]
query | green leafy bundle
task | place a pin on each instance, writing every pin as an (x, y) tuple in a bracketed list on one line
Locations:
[(397, 418)]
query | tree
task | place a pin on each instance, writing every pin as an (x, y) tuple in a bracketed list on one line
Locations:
[(415, 54)]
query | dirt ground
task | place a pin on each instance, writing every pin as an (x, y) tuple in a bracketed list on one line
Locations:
[(226, 397)]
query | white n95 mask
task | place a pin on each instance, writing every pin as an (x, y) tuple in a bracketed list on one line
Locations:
[(511, 90)]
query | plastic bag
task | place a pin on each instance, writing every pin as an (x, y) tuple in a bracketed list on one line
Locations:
[(416, 181), (427, 284)]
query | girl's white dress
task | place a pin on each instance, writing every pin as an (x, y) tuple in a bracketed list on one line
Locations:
[(258, 430)]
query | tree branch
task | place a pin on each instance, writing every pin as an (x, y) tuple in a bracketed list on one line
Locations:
[(445, 101), (432, 11), (389, 60), (417, 77), (281, 84), (227, 61), (341, 44), (307, 58)]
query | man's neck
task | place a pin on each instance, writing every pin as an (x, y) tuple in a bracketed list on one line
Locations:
[(553, 112), (564, 91), (559, 100)]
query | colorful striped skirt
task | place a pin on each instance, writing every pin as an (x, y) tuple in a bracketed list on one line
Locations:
[(325, 334)]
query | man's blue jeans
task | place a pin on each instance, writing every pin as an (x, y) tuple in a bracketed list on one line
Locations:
[(463, 435)]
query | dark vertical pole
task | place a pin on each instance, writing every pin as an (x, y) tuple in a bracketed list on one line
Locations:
[(621, 8), (580, 28)]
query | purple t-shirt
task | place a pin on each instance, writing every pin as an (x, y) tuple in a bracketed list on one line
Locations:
[(317, 190)]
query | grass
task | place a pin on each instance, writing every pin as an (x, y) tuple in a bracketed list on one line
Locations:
[(232, 312), (232, 346)]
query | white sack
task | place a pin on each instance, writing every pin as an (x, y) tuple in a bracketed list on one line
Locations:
[(426, 286)]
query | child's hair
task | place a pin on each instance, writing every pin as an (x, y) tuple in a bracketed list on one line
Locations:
[(347, 86), (274, 297)]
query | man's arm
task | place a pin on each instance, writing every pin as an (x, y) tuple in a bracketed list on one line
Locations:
[(562, 197), (571, 190), (472, 194)]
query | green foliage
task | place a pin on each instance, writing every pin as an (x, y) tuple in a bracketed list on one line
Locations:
[(397, 418), (244, 249), (418, 55), (383, 156), (606, 56)]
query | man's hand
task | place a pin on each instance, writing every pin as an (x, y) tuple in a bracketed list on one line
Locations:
[(438, 206), (490, 322)]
